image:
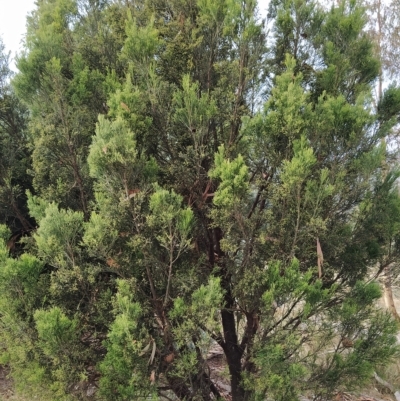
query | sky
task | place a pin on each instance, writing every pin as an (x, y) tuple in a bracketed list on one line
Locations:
[(13, 17), (12, 22)]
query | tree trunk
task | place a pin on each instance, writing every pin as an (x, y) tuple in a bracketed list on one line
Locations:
[(25, 223), (233, 355), (231, 347), (389, 293)]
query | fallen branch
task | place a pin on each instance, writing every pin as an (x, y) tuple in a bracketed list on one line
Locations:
[(388, 386)]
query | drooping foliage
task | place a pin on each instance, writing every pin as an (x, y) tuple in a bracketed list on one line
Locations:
[(201, 183)]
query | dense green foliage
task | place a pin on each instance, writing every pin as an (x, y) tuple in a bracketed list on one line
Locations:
[(14, 154), (194, 181)]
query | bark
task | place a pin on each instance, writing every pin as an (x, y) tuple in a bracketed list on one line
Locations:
[(233, 354), (25, 223), (389, 293), (379, 40), (233, 351)]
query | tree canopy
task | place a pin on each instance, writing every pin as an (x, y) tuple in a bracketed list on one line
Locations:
[(197, 177)]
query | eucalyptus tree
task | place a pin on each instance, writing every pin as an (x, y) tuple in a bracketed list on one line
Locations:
[(384, 29)]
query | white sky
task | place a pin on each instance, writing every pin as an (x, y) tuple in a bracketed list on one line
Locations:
[(262, 4), (13, 16), (12, 22)]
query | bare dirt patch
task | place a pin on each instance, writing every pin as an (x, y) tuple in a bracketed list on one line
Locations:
[(6, 384)]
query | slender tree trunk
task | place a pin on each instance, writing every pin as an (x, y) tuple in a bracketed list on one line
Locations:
[(231, 346), (389, 293), (379, 20), (233, 354)]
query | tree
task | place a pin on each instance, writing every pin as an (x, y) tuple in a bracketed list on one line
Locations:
[(301, 160), (289, 176), (14, 154), (62, 80), (383, 27), (214, 220)]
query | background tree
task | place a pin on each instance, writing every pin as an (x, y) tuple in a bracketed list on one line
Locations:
[(383, 27), (62, 80), (14, 154)]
